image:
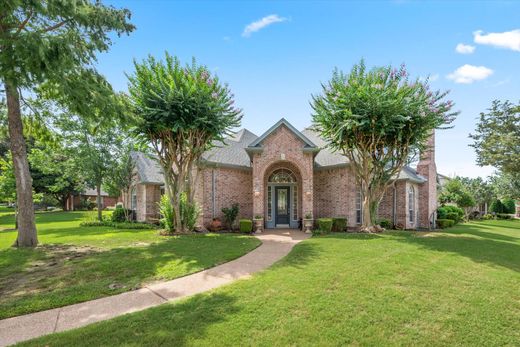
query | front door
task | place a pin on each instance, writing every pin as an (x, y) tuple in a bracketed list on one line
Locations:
[(281, 203)]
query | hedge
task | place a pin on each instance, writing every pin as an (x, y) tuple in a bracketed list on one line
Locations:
[(339, 224), (504, 216), (325, 224), (445, 223), (126, 225), (246, 225)]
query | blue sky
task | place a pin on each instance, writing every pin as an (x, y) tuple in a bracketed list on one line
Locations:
[(275, 66)]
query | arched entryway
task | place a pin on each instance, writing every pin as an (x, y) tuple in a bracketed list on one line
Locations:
[(282, 196)]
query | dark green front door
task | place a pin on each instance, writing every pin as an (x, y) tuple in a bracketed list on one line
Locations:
[(282, 205)]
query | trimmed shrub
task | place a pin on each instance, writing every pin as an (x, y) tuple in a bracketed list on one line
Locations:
[(339, 224), (125, 225), (246, 225), (445, 223), (442, 212), (385, 223), (488, 216), (325, 224), (119, 215), (497, 207), (453, 216), (509, 206), (504, 216)]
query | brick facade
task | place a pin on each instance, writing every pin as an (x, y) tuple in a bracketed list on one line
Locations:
[(322, 191)]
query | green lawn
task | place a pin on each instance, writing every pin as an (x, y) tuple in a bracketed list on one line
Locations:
[(459, 287), (75, 264)]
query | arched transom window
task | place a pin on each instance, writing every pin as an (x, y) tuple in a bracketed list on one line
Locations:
[(282, 176)]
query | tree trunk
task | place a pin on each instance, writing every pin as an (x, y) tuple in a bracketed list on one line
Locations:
[(98, 203), (371, 201), (27, 236)]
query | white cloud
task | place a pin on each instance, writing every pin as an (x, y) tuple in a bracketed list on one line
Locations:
[(507, 39), (262, 23), (469, 73), (465, 49)]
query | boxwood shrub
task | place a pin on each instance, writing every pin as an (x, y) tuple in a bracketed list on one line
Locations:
[(325, 224), (245, 225), (442, 212), (445, 223), (454, 216), (339, 224), (385, 223)]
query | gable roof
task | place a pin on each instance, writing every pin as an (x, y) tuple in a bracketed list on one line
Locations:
[(232, 153), (148, 169), (308, 144)]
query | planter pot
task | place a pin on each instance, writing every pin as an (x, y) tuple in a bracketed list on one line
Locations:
[(259, 225), (307, 225)]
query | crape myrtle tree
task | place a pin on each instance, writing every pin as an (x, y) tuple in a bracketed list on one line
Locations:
[(181, 111), (379, 120), (51, 42)]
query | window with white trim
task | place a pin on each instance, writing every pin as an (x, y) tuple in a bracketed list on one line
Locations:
[(411, 204), (359, 208)]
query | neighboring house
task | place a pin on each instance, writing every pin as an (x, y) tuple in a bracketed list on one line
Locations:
[(284, 175), (75, 202)]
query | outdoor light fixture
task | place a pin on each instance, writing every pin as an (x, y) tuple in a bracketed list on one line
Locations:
[(257, 193)]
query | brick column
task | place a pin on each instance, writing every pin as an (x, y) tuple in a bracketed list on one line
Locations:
[(427, 190)]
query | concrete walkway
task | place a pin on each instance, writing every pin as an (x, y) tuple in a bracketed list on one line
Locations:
[(275, 245)]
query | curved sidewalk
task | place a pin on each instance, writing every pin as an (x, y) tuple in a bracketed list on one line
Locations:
[(275, 245)]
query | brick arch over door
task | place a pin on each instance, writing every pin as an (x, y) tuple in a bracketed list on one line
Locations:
[(283, 164)]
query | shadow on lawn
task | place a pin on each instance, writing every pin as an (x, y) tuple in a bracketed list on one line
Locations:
[(485, 250), (166, 325)]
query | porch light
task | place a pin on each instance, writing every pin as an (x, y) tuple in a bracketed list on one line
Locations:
[(308, 193), (257, 193)]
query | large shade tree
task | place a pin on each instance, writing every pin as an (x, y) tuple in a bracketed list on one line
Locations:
[(497, 137), (181, 111), (378, 119), (52, 42)]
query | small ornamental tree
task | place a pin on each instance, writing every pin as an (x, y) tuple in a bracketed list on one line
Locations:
[(181, 111), (378, 119)]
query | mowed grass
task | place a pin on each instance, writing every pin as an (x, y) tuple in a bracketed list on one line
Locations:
[(459, 287), (75, 264)]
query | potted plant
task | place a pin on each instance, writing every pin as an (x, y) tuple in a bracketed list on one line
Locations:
[(308, 223), (259, 223)]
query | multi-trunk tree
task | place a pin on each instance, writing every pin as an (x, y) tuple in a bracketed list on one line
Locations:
[(182, 111), (378, 119), (51, 42)]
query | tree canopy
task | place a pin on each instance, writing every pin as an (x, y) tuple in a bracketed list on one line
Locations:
[(181, 111), (49, 48), (378, 119), (497, 137)]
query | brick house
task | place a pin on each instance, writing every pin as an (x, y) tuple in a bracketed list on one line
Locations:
[(74, 201), (285, 174)]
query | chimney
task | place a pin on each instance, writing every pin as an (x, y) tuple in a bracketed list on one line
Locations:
[(428, 190)]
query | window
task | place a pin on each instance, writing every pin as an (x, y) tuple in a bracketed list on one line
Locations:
[(411, 204), (295, 203), (359, 208), (282, 176), (133, 201), (269, 204)]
